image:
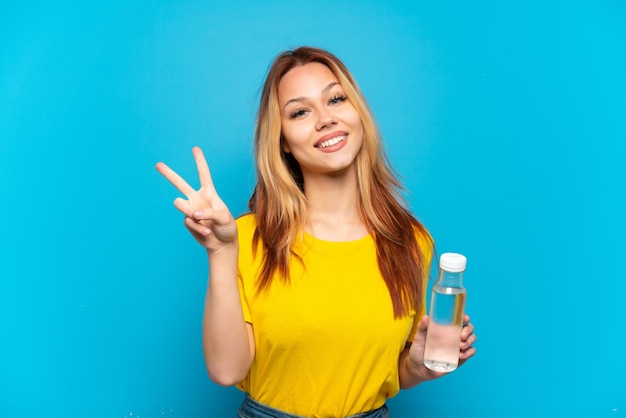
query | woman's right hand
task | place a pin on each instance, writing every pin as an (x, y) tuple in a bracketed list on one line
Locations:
[(206, 216)]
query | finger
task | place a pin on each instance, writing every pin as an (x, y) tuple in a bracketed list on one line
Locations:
[(217, 216), (465, 354), (467, 342), (468, 329), (203, 169), (175, 179), (420, 335), (422, 325), (196, 227), (184, 207), (470, 341)]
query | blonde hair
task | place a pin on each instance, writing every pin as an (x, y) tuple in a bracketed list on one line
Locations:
[(280, 204)]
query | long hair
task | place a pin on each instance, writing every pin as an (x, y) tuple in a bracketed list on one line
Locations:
[(280, 204)]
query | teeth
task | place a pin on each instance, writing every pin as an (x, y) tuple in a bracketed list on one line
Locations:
[(332, 141)]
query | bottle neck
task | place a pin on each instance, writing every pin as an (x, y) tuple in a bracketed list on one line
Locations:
[(450, 279)]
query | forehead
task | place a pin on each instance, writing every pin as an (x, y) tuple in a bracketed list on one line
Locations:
[(305, 81)]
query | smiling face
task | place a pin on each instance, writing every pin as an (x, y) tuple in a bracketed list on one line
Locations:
[(320, 126)]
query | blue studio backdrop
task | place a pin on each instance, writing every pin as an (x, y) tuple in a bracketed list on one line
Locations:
[(505, 120)]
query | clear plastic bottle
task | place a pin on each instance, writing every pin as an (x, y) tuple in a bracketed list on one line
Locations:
[(447, 308)]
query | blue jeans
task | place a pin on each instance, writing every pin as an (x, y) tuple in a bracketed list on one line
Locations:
[(253, 409)]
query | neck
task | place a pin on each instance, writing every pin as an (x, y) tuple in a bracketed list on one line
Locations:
[(333, 210)]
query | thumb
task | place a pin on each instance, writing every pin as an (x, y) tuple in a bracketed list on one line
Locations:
[(420, 335)]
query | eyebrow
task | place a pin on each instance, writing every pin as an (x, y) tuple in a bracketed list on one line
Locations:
[(302, 98)]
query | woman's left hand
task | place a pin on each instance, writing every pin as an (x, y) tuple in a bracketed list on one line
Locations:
[(416, 352), (468, 338)]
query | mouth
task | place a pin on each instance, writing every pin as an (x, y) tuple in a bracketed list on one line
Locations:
[(330, 142)]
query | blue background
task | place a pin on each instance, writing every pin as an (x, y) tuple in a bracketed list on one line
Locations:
[(506, 121)]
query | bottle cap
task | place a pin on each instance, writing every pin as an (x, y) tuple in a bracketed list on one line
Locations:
[(452, 262)]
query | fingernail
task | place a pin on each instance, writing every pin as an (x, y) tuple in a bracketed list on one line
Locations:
[(197, 214)]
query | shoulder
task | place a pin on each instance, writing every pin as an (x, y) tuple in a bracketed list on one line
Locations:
[(246, 227), (246, 222)]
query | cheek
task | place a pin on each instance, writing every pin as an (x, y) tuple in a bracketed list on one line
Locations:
[(353, 119), (285, 137), (294, 136), (357, 124)]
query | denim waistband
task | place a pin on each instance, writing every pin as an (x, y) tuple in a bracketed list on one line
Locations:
[(253, 409)]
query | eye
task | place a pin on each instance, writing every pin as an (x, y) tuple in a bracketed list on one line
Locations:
[(336, 99), (297, 113)]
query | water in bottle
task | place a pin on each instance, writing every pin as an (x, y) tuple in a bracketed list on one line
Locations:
[(447, 307)]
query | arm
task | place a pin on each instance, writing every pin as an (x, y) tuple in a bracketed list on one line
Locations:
[(411, 369), (228, 341)]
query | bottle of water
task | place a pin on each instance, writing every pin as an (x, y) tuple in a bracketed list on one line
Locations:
[(447, 308)]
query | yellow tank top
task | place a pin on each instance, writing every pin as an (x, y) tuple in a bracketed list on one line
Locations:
[(327, 344)]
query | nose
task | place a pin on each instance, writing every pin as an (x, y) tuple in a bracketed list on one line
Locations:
[(325, 119)]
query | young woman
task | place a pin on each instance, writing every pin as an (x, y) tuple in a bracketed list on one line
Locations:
[(315, 303)]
